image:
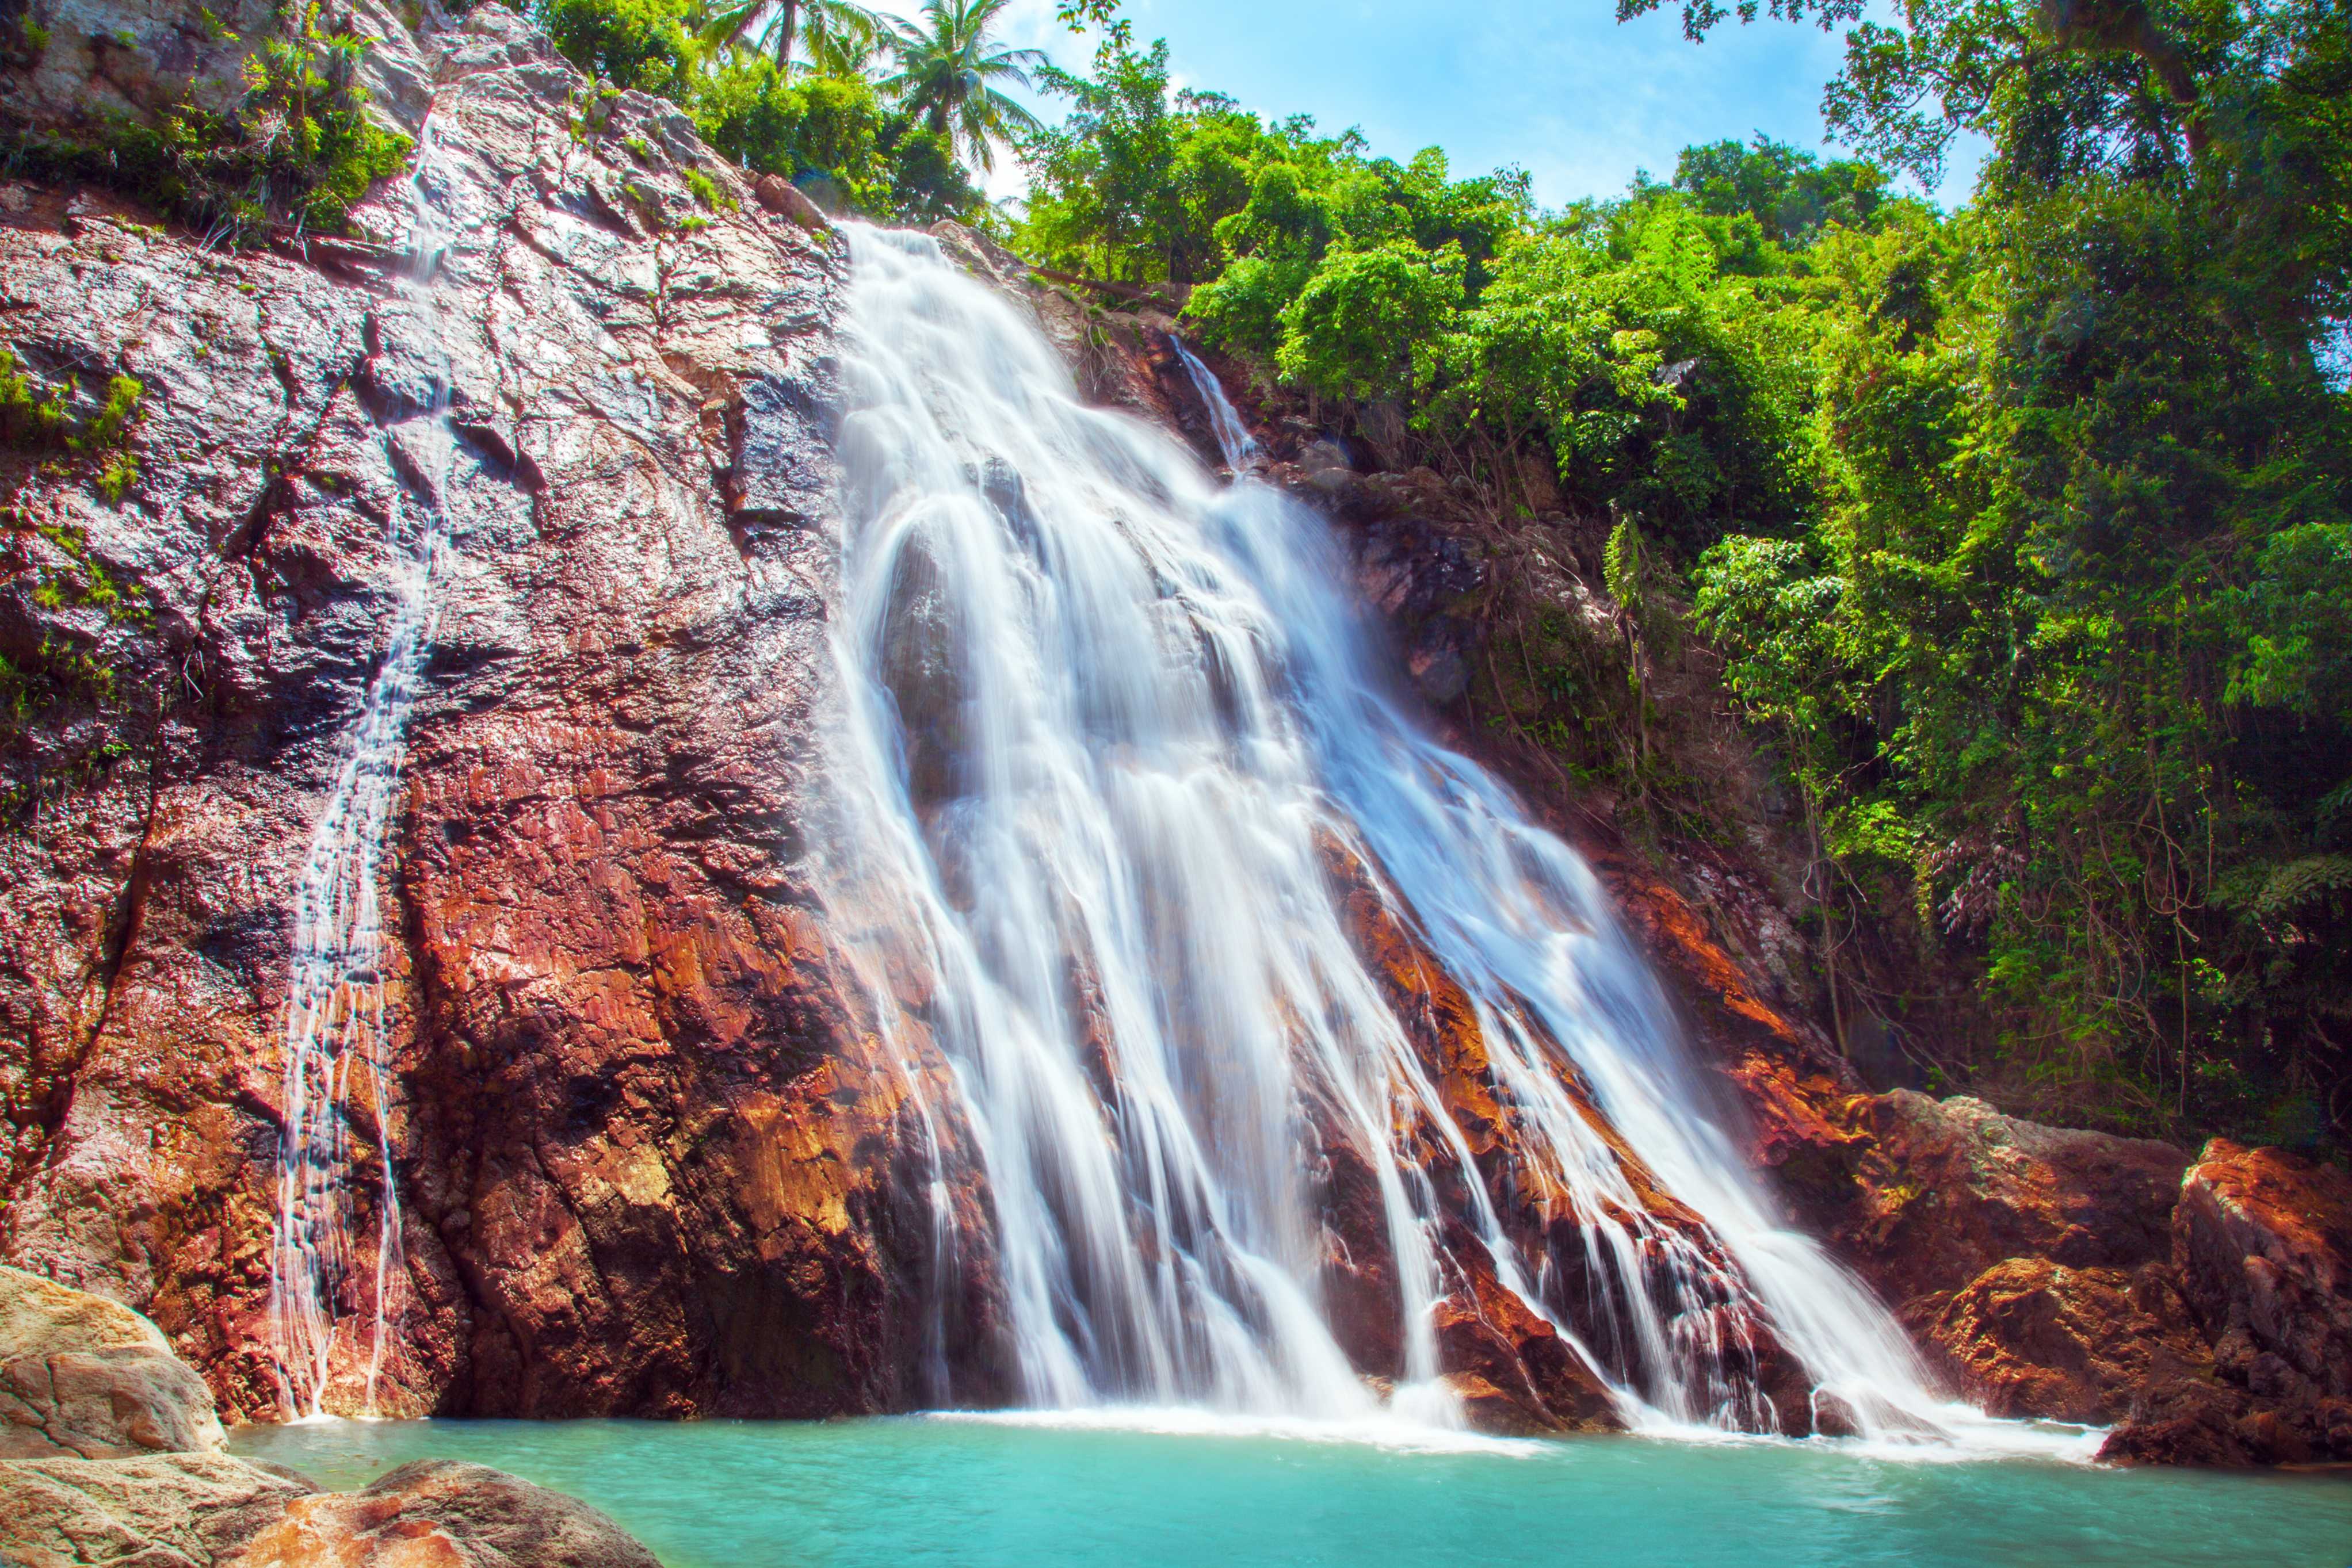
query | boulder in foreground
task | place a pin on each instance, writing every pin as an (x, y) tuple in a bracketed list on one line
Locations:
[(161, 1511), (442, 1512), (84, 1377)]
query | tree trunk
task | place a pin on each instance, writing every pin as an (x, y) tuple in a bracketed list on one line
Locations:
[(2125, 26), (787, 26)]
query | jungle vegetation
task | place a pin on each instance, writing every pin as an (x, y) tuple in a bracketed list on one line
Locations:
[(2023, 531)]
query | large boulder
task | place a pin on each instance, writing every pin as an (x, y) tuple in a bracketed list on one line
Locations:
[(85, 1378), (2262, 1248), (2263, 1241), (2034, 1265), (448, 1514), (162, 1511), (1941, 1190), (2028, 1337)]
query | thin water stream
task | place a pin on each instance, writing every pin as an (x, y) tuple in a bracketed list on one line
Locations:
[(324, 1276)]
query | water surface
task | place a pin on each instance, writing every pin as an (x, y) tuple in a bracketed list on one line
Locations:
[(948, 1491)]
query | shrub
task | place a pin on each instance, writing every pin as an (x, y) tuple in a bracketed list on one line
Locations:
[(640, 44), (298, 149)]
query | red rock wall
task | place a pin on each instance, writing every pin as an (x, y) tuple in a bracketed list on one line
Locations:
[(644, 1160)]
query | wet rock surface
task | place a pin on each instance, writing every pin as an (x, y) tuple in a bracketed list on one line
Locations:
[(647, 1157), (2197, 1305), (641, 1161)]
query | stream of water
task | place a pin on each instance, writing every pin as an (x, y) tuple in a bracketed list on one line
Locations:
[(1113, 726), (326, 1272)]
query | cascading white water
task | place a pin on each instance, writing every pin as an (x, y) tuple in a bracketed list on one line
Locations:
[(337, 1028), (1235, 445), (1110, 721)]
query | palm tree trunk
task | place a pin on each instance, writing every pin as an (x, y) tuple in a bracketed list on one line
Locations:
[(786, 26)]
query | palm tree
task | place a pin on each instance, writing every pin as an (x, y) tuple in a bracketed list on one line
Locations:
[(946, 75), (839, 35)]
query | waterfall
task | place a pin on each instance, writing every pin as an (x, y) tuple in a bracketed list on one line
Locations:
[(337, 1024), (1235, 445), (1112, 724)]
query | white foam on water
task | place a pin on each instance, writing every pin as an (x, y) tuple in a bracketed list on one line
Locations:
[(1392, 1434)]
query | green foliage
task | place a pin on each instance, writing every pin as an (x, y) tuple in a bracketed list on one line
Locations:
[(112, 425), (752, 116), (32, 42), (1661, 385), (927, 183), (830, 133), (2024, 533), (1105, 198), (1766, 602), (2296, 622), (950, 78), (2071, 622), (1791, 195), (837, 36), (1366, 323), (640, 44), (35, 419), (706, 190), (1639, 347), (1142, 186), (298, 149), (29, 416), (1621, 566), (64, 671)]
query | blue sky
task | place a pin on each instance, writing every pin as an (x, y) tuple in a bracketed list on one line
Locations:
[(1555, 85)]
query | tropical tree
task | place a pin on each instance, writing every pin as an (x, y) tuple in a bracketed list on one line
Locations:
[(948, 76), (839, 35)]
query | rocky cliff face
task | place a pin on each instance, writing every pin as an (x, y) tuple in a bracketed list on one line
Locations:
[(635, 1136), (645, 1152)]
